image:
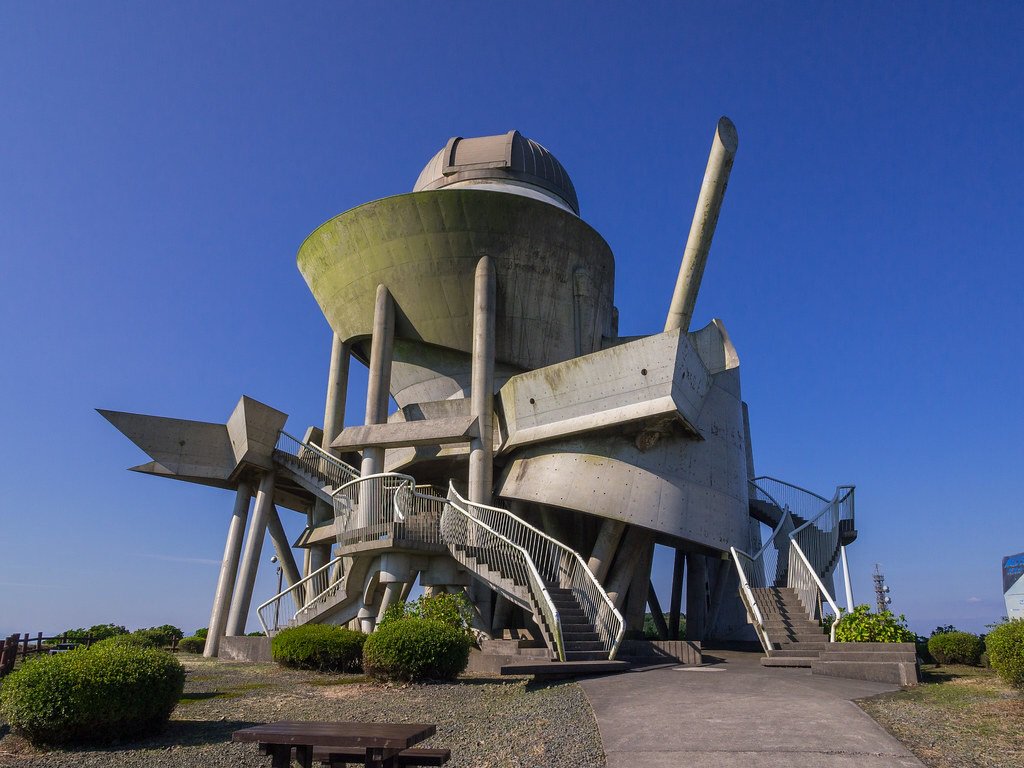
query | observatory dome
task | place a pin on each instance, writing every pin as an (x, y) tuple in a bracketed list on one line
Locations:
[(508, 162)]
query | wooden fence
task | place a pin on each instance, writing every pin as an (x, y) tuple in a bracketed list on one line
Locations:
[(25, 645)]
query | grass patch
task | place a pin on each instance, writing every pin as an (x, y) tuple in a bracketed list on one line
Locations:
[(958, 716), (347, 680)]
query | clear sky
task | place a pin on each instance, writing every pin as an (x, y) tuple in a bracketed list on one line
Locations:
[(160, 163)]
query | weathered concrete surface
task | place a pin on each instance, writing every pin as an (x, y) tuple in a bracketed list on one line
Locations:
[(737, 714), (241, 648)]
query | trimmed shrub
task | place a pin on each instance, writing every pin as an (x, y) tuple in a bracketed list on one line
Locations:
[(140, 638), (201, 632), (167, 633), (95, 694), (194, 644), (97, 632), (955, 648), (451, 609), (1005, 648), (322, 647), (862, 626), (414, 649)]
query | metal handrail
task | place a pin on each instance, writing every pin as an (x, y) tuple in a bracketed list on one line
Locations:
[(750, 602), (315, 459), (821, 587), (455, 538), (559, 565), (320, 581)]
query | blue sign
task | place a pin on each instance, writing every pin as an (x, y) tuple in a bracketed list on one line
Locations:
[(1013, 585)]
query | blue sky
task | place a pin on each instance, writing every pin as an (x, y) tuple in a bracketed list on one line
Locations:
[(161, 163)]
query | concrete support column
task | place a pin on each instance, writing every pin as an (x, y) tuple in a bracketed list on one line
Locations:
[(657, 614), (696, 596), (639, 589), (481, 448), (320, 554), (392, 593), (633, 546), (846, 579), (604, 548), (242, 598), (676, 601), (337, 392), (282, 548), (228, 570), (378, 386)]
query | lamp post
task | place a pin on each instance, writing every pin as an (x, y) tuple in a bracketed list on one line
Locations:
[(277, 604)]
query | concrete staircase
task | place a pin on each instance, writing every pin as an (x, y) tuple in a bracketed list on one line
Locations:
[(797, 640), (580, 638)]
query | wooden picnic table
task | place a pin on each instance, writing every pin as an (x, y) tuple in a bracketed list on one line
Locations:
[(382, 741)]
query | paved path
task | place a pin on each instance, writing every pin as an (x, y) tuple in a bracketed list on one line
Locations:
[(738, 713)]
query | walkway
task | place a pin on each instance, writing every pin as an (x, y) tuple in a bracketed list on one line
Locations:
[(738, 713)]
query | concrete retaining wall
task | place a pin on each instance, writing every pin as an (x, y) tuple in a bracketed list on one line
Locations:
[(255, 649), (666, 651)]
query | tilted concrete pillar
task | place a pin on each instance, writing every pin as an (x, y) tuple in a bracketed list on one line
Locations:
[(282, 548), (604, 548), (657, 614), (228, 570), (639, 589), (675, 606), (379, 383), (481, 448), (702, 228), (696, 596), (337, 392), (633, 546), (242, 598)]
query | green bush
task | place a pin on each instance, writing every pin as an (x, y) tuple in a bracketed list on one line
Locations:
[(97, 632), (416, 649), (140, 638), (95, 694), (168, 633), (323, 647), (955, 648), (194, 644), (201, 632), (862, 626), (1005, 648), (921, 643), (651, 629), (451, 609)]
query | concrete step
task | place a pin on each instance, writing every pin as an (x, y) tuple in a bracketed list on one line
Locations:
[(823, 646), (887, 656), (793, 653), (779, 637), (585, 655), (583, 645), (894, 672), (788, 661), (568, 627), (579, 637)]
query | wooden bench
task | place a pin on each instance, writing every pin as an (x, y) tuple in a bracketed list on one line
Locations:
[(334, 756)]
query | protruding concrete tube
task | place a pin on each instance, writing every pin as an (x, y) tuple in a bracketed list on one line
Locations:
[(242, 598), (481, 448), (282, 548), (378, 385), (702, 229), (337, 392), (228, 570)]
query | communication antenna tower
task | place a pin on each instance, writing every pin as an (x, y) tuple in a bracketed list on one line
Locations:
[(882, 598)]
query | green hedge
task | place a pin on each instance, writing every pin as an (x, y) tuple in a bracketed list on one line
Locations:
[(416, 649), (862, 626), (323, 647), (194, 644), (1005, 648), (95, 694), (955, 648), (140, 638)]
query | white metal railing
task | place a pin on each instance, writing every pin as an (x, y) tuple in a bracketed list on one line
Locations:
[(558, 566), (511, 569), (747, 596), (387, 505), (808, 586), (303, 597), (315, 460)]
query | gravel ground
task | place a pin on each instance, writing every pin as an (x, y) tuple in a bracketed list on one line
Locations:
[(959, 717), (487, 722)]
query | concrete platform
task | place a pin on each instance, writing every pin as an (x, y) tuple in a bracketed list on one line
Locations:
[(742, 715), (565, 669)]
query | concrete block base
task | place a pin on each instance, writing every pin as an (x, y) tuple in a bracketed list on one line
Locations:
[(253, 649), (895, 672), (641, 652)]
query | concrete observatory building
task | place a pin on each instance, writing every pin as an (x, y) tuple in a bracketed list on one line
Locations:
[(535, 457)]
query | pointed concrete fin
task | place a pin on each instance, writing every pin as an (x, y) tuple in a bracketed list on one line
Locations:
[(181, 448)]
